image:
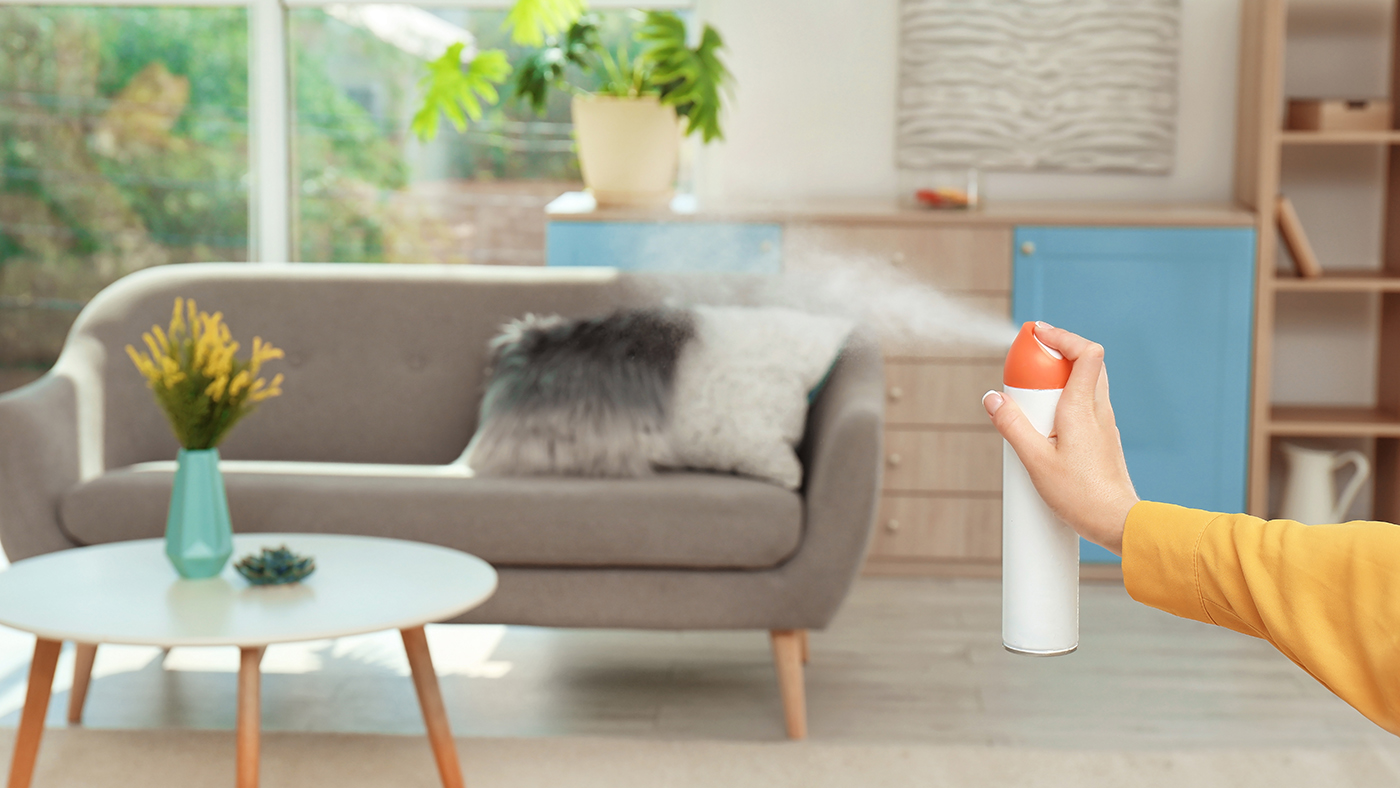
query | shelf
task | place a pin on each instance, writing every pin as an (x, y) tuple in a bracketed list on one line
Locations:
[(1341, 281), (1340, 137), (1333, 422)]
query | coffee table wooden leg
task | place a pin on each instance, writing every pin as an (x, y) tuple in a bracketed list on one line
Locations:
[(82, 675), (415, 642), (36, 707), (249, 715)]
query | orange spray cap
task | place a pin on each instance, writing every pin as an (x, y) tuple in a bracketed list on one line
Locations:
[(1032, 365)]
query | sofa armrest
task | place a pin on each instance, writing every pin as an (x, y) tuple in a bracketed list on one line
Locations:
[(841, 456), (39, 461)]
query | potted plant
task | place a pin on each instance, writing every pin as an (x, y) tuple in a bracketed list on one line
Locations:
[(629, 128), (204, 390)]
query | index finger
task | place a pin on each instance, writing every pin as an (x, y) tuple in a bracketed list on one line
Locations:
[(1069, 344), (1086, 355)]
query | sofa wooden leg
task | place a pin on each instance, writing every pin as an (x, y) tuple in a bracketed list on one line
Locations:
[(787, 655), (806, 646)]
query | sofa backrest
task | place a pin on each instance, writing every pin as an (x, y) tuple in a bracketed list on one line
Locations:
[(384, 363)]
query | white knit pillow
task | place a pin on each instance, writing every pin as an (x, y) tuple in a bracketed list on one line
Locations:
[(742, 385)]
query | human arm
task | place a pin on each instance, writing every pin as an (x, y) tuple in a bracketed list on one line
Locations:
[(1328, 597)]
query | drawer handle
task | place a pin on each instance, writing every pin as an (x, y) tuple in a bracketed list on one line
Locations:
[(1027, 248), (897, 258), (894, 460), (765, 246), (891, 525), (896, 393)]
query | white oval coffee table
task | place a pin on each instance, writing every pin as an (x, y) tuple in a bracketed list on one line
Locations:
[(129, 593)]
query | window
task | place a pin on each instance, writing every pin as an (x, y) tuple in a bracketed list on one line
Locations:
[(123, 144), (367, 190), (142, 135)]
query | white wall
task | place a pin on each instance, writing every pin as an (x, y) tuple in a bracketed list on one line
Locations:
[(814, 118), (815, 108)]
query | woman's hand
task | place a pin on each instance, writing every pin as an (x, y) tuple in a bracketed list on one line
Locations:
[(1079, 470)]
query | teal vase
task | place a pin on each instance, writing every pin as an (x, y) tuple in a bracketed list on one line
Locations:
[(198, 537)]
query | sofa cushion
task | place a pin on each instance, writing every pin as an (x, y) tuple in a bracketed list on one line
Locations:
[(692, 520)]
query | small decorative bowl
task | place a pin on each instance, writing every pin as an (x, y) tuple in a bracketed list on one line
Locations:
[(275, 567)]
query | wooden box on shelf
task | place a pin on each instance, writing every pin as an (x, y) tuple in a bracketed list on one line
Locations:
[(1338, 114)]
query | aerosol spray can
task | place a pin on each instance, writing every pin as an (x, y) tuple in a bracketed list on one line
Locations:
[(1039, 553)]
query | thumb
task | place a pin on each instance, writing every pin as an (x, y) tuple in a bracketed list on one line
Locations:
[(1013, 425)]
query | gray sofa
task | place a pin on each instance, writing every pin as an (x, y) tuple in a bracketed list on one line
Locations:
[(384, 372)]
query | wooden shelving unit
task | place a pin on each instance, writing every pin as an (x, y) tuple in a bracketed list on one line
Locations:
[(1341, 282), (1339, 137), (1260, 143), (1323, 422)]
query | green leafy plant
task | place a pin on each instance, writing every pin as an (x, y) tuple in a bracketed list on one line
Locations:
[(456, 93), (531, 21), (546, 68), (694, 80), (690, 79)]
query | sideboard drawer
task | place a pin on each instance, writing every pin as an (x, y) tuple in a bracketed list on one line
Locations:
[(967, 460), (939, 392), (956, 258), (938, 528)]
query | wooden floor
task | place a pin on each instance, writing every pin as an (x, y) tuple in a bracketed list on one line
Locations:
[(907, 660)]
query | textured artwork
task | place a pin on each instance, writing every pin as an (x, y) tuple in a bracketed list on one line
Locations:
[(1077, 85)]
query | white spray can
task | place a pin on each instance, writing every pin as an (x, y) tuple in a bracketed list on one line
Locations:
[(1039, 553)]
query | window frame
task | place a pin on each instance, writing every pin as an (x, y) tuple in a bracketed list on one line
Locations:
[(269, 100)]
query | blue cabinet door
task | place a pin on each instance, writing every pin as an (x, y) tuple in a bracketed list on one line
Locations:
[(1174, 310), (706, 247)]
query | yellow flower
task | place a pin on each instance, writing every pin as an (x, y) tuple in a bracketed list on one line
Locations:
[(203, 347), (215, 390), (262, 352), (143, 364), (220, 363), (239, 382), (170, 372), (177, 317), (156, 351), (258, 393), (196, 356)]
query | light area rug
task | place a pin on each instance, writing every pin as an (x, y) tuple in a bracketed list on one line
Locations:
[(81, 758)]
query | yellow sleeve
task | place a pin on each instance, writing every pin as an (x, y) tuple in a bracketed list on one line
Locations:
[(1327, 596)]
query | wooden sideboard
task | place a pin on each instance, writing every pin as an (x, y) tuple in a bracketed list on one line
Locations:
[(940, 510), (942, 478)]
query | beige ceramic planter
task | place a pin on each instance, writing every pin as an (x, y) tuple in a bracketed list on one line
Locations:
[(627, 148)]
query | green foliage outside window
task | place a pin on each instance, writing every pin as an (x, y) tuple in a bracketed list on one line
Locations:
[(124, 143)]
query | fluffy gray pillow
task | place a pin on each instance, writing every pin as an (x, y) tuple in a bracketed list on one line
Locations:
[(711, 388), (583, 397)]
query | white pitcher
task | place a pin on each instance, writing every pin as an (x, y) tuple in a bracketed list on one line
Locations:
[(1310, 495)]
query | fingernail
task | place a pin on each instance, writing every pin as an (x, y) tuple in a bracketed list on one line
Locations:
[(1042, 324), (992, 402)]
